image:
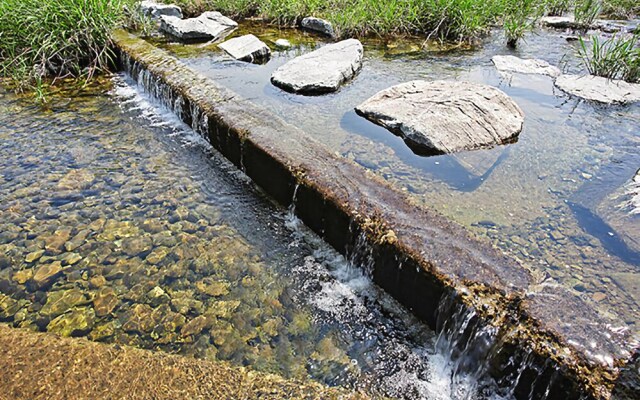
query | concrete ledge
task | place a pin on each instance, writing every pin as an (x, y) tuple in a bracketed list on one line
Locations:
[(44, 366), (417, 255)]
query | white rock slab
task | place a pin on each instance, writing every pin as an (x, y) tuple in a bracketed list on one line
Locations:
[(155, 11), (208, 26), (321, 71), (246, 48), (602, 90), (318, 25), (525, 66), (445, 117)]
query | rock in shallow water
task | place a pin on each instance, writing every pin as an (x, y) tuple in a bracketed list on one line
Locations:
[(318, 25), (208, 26), (445, 117), (246, 48), (602, 90), (78, 322), (524, 66), (321, 71), (154, 10)]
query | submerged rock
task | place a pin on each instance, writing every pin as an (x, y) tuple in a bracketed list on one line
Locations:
[(78, 322), (46, 275), (155, 11), (61, 301), (8, 307), (321, 71), (597, 88), (525, 66), (246, 48), (106, 301), (208, 26), (318, 25), (445, 117)]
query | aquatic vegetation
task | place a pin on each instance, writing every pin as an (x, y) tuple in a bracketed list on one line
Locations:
[(519, 18), (614, 58), (58, 38)]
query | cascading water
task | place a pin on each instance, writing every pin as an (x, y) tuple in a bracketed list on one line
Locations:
[(410, 363)]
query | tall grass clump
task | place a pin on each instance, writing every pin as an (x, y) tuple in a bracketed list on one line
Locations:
[(51, 39), (458, 20), (556, 8), (586, 11), (621, 9), (614, 58), (520, 17)]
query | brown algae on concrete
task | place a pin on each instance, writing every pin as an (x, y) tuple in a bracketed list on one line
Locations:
[(43, 366), (419, 256)]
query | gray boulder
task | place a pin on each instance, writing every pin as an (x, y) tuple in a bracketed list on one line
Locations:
[(155, 11), (445, 117), (321, 71), (208, 26), (246, 48), (602, 90), (561, 23), (318, 25), (524, 66)]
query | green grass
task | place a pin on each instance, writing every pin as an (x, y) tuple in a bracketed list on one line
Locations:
[(621, 9), (457, 20), (614, 58), (53, 39)]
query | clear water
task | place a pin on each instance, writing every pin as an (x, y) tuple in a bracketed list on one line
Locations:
[(555, 199), (162, 244)]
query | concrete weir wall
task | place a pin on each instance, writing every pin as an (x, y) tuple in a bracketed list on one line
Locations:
[(428, 263)]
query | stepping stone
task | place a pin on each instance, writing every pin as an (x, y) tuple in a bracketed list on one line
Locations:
[(246, 48), (524, 66), (599, 89), (208, 26), (442, 117), (318, 25), (561, 23), (155, 11), (321, 71)]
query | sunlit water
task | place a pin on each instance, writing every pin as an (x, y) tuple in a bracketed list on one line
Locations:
[(555, 199), (157, 242)]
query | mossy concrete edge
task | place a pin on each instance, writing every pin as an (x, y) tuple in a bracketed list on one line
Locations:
[(418, 256)]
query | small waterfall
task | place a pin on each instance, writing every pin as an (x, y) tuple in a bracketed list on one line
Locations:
[(468, 352)]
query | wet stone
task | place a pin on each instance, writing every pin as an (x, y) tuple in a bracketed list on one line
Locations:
[(5, 261), (104, 331), (21, 277), (212, 287), (139, 319), (157, 296), (61, 301), (71, 258), (136, 245), (77, 322), (157, 255), (208, 26), (46, 274), (34, 256), (76, 179), (195, 326), (55, 243), (105, 301), (318, 25), (8, 307), (599, 89), (155, 11), (97, 281)]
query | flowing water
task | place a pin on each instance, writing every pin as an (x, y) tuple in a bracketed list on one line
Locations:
[(119, 223), (557, 199)]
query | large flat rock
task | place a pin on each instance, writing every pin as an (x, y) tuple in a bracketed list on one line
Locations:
[(599, 89), (208, 26), (321, 71), (246, 48), (445, 117), (525, 66)]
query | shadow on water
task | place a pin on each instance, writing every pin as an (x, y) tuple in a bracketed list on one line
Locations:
[(610, 240), (445, 168)]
